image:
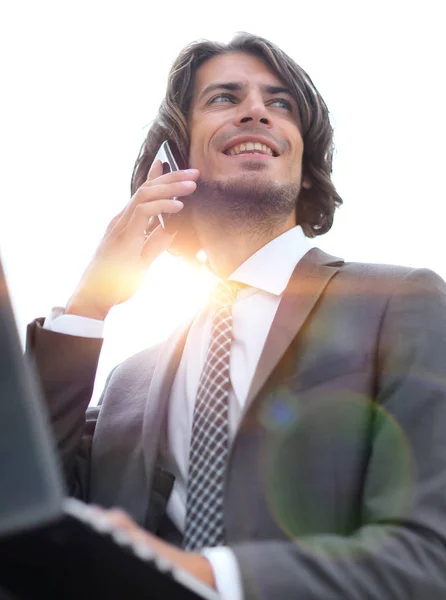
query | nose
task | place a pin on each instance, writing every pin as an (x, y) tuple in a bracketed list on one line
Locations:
[(263, 120), (253, 109)]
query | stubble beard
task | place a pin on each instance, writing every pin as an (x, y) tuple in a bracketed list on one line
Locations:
[(238, 205)]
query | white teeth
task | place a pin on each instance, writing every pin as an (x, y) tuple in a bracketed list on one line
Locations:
[(250, 147)]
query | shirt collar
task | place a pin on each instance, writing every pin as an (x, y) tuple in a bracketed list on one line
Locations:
[(270, 268)]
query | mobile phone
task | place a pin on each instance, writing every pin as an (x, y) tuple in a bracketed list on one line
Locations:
[(172, 160)]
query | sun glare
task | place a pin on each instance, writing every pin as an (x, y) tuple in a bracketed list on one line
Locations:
[(171, 294)]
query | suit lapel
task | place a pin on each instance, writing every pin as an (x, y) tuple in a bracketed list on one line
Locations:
[(306, 284), (155, 411), (125, 445)]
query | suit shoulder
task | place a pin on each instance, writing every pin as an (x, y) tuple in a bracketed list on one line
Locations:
[(396, 273), (144, 359), (388, 280), (144, 362), (374, 270)]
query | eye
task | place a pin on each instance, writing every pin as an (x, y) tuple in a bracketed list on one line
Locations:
[(222, 98), (282, 103)]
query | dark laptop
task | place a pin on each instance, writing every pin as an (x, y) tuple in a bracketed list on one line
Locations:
[(52, 546)]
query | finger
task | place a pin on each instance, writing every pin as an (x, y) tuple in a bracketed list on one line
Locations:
[(155, 170), (156, 193), (107, 519), (114, 222), (185, 184), (124, 523), (120, 518), (183, 175), (137, 224)]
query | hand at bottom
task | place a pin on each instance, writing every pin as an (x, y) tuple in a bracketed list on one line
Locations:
[(194, 563)]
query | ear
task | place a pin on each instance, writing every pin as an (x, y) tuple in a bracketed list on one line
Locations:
[(306, 183)]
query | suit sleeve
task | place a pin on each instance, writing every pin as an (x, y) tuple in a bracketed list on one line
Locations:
[(399, 552), (66, 366)]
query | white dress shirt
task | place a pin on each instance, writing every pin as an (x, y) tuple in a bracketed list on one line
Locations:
[(267, 273)]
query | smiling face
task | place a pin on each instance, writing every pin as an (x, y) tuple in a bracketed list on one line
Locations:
[(244, 125)]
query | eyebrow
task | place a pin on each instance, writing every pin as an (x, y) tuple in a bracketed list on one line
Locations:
[(233, 86)]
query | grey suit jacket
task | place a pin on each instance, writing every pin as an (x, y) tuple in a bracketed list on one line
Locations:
[(336, 479)]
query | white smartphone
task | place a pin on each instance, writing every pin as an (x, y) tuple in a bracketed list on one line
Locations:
[(172, 160)]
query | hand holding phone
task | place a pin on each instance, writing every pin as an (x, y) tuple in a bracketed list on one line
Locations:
[(126, 251)]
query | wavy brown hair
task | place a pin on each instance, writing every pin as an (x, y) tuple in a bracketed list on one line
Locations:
[(316, 205)]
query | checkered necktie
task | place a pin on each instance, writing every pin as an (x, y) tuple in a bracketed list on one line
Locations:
[(210, 434)]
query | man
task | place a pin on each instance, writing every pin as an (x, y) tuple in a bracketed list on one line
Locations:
[(289, 443)]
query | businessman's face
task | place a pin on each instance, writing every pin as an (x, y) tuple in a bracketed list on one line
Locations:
[(244, 125)]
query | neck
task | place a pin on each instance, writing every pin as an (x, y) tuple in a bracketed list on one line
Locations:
[(227, 247), (234, 219)]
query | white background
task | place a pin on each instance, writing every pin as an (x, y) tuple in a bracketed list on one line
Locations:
[(81, 82)]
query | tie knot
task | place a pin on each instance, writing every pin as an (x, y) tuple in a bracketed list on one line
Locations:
[(225, 293)]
